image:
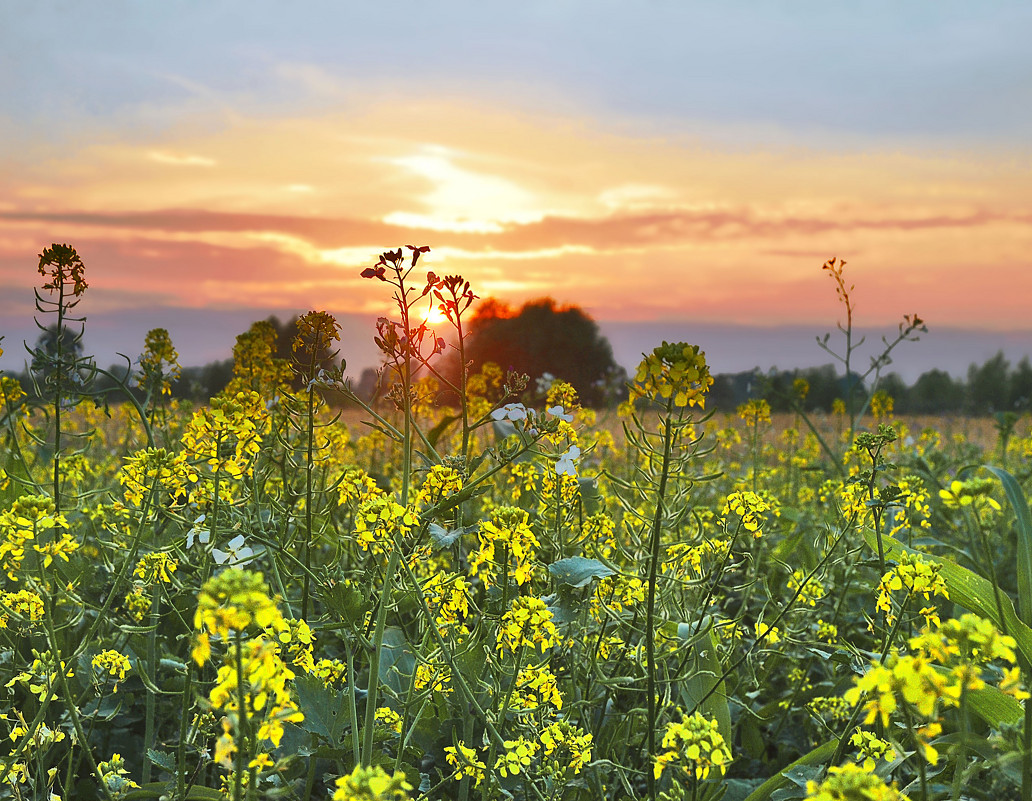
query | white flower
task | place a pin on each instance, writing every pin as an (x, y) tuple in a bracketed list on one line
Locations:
[(238, 553), (566, 465), (510, 411), (202, 535), (558, 411)]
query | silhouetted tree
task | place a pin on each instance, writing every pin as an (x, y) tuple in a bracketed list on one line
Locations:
[(286, 333), (1021, 386), (543, 337), (935, 391), (988, 386)]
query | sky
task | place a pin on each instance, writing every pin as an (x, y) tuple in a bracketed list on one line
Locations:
[(674, 168)]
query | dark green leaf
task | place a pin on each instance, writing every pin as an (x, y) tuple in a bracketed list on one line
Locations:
[(578, 571)]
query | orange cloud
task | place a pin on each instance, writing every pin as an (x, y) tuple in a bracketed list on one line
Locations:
[(631, 227)]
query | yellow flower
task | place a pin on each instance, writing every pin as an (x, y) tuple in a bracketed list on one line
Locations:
[(465, 762), (372, 784), (750, 509), (113, 663), (697, 743), (674, 373), (156, 566), (811, 592), (527, 622), (230, 602), (852, 783), (915, 576), (63, 266), (159, 362), (517, 757), (505, 541)]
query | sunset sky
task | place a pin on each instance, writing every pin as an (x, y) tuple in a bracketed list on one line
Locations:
[(658, 163)]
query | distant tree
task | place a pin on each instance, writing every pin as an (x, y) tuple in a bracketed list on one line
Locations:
[(1021, 386), (989, 386), (544, 337), (286, 333), (936, 392), (896, 388), (51, 341)]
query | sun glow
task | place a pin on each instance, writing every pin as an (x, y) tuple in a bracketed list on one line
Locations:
[(434, 316)]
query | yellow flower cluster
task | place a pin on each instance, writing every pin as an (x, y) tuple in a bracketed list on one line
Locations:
[(567, 746), (113, 663), (465, 762), (508, 530), (682, 556), (519, 753), (812, 591), (297, 636), (330, 671), (750, 509), (851, 783), (159, 362), (10, 391), (872, 748), (754, 412), (41, 675), (155, 468), (227, 434), (915, 576), (827, 632), (24, 604), (113, 775), (388, 718), (674, 373), (356, 486), (696, 744), (441, 482), (881, 405), (616, 593), (255, 366), (63, 266), (230, 602), (974, 491), (25, 521), (372, 784), (316, 331), (155, 566), (266, 695), (536, 686), (527, 622), (830, 707), (447, 596), (379, 520)]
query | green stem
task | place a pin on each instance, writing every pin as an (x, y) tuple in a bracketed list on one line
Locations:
[(650, 637), (152, 666)]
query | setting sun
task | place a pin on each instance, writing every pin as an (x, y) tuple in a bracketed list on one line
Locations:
[(434, 316)]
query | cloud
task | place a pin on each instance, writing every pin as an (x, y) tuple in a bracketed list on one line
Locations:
[(180, 159)]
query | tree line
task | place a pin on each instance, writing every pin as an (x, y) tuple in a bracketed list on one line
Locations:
[(543, 338)]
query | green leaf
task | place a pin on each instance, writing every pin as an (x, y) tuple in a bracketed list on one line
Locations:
[(444, 538), (706, 671), (590, 495), (396, 660), (995, 707), (577, 571), (1024, 526), (159, 789), (817, 756), (967, 589), (435, 433), (325, 710), (163, 759)]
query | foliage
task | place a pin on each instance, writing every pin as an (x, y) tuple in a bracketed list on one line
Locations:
[(503, 599)]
